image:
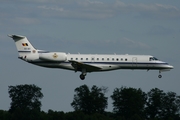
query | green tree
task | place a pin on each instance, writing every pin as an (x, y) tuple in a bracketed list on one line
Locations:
[(162, 105), (154, 103), (89, 101), (54, 115), (128, 102), (25, 98), (4, 115)]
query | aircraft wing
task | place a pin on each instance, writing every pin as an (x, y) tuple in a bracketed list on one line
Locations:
[(80, 65)]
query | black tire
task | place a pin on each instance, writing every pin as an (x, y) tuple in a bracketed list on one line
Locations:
[(82, 77), (160, 76)]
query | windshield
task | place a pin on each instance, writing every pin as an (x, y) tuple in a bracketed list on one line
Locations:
[(153, 59)]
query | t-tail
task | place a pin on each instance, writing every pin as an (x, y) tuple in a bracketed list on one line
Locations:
[(24, 47)]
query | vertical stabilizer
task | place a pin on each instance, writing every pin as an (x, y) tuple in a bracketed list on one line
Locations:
[(24, 47)]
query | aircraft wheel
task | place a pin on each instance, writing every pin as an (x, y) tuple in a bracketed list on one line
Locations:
[(82, 77), (160, 76)]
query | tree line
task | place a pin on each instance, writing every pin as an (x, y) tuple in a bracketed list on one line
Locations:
[(90, 103)]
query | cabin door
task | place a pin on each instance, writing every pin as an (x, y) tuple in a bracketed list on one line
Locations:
[(134, 61)]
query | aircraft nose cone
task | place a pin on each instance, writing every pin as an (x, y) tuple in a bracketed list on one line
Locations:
[(171, 67)]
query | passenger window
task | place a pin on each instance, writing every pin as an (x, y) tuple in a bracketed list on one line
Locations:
[(71, 58), (117, 59), (92, 58), (108, 59), (112, 59), (76, 58), (121, 59), (97, 58), (126, 59), (81, 58), (102, 58), (86, 58)]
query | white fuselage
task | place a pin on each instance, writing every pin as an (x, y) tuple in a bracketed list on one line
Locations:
[(86, 62), (105, 62)]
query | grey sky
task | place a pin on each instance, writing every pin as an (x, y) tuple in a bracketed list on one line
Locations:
[(88, 26)]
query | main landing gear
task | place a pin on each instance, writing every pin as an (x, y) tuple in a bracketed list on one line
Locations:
[(82, 77), (83, 74)]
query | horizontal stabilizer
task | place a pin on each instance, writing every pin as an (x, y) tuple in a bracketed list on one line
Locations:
[(16, 36)]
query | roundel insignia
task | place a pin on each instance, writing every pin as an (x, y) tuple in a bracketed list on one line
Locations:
[(55, 55), (34, 51)]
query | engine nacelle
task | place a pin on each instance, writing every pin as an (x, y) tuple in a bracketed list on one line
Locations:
[(29, 57), (53, 56)]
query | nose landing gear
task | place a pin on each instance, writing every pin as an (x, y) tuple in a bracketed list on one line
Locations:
[(159, 76)]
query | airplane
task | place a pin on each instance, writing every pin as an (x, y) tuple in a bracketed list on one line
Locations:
[(86, 63)]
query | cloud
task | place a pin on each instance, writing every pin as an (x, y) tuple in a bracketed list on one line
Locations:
[(160, 30), (94, 9), (27, 21), (88, 2), (83, 9), (51, 8), (122, 45), (148, 10), (133, 44), (126, 43), (88, 9)]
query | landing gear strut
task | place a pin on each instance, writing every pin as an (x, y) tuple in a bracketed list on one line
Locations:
[(159, 76), (82, 76)]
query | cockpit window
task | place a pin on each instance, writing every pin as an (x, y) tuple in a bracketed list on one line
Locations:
[(150, 59), (153, 59)]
